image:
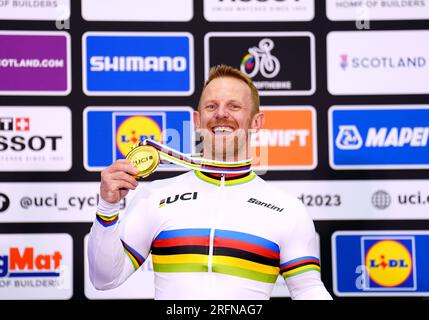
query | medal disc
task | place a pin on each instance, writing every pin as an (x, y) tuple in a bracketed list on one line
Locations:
[(145, 159)]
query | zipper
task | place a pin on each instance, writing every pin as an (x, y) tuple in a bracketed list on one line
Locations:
[(220, 193)]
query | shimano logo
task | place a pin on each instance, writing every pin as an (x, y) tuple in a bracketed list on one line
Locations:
[(138, 64), (265, 204)]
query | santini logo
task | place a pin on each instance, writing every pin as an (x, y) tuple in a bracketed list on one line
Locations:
[(184, 196), (265, 204)]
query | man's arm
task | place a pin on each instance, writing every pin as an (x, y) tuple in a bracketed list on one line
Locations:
[(115, 250), (299, 257)]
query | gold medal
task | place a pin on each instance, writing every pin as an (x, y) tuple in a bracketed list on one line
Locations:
[(145, 159)]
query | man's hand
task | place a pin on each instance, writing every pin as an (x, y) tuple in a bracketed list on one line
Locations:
[(117, 180)]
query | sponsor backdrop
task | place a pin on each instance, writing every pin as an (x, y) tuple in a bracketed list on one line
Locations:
[(343, 84)]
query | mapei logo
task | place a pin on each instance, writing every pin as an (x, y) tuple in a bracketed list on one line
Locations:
[(389, 263), (375, 137), (110, 132), (141, 64), (27, 262), (183, 197)]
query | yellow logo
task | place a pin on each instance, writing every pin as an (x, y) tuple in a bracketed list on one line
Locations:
[(389, 263), (135, 129)]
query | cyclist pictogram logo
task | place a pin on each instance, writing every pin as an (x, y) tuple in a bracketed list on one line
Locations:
[(260, 59)]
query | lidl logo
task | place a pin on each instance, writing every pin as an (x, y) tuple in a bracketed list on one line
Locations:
[(130, 129), (110, 132), (287, 140), (380, 263), (389, 263), (140, 63), (379, 137)]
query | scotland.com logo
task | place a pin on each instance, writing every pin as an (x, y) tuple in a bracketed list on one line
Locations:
[(379, 137), (138, 63)]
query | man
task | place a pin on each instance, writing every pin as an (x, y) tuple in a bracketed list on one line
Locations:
[(212, 235)]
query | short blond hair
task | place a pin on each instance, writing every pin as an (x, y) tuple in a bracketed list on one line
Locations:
[(223, 70)]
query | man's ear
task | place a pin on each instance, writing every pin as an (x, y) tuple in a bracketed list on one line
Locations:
[(197, 119), (258, 121)]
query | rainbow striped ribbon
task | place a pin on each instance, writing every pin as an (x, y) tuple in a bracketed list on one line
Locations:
[(200, 164)]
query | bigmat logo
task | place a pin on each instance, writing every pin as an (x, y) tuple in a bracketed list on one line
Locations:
[(279, 63), (371, 62), (380, 263), (258, 10), (138, 63), (35, 63), (379, 137), (288, 140), (110, 132), (36, 266), (137, 10), (28, 142), (35, 10)]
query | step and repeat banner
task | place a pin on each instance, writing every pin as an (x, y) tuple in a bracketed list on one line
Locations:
[(344, 87)]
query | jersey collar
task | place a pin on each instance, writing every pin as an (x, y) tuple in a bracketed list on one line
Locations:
[(231, 179)]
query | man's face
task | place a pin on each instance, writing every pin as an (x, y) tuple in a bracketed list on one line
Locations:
[(226, 114)]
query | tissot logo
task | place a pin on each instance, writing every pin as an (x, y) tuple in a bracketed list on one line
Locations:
[(30, 143), (279, 63), (183, 197), (259, 10), (265, 204)]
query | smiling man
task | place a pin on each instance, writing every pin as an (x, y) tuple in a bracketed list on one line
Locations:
[(222, 233)]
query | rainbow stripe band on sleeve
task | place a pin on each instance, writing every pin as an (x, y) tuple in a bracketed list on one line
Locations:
[(136, 258), (107, 221), (299, 265)]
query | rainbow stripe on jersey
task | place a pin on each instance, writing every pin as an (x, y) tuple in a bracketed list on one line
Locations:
[(234, 253)]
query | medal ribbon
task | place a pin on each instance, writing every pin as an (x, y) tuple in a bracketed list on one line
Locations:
[(200, 164)]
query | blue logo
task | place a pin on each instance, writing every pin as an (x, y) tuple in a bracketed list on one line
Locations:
[(379, 137), (110, 132), (377, 263), (141, 64)]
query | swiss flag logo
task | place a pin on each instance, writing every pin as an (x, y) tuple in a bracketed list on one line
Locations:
[(22, 124)]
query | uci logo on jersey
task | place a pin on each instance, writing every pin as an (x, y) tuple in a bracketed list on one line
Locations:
[(25, 263), (379, 137), (183, 197), (139, 63)]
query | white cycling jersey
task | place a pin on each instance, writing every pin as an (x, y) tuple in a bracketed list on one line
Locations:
[(212, 236)]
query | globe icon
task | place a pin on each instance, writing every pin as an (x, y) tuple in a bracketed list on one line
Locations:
[(381, 199)]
